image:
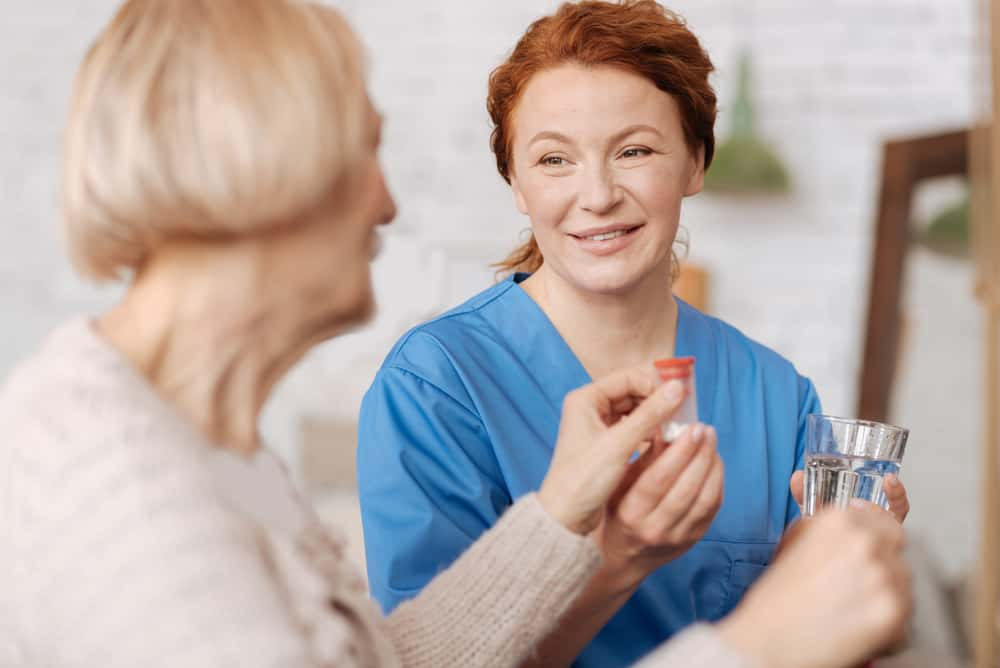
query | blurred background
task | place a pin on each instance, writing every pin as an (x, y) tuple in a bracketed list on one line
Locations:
[(782, 248)]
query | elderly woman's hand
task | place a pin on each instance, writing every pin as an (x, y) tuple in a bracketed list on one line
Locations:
[(664, 505), (895, 493), (839, 594), (603, 424)]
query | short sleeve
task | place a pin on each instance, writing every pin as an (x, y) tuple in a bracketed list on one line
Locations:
[(428, 481)]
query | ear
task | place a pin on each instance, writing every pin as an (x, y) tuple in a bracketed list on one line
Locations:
[(696, 181), (519, 200)]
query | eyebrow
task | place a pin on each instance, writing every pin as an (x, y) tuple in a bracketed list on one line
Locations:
[(617, 137)]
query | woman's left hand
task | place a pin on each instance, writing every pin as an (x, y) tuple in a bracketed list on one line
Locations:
[(895, 493), (664, 505)]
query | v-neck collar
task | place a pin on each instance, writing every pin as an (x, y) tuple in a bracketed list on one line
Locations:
[(537, 341)]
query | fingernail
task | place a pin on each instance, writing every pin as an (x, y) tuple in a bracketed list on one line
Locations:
[(697, 433), (673, 390), (893, 480)]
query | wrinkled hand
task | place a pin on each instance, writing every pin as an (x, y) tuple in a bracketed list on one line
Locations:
[(895, 493), (663, 506), (839, 594), (603, 424)]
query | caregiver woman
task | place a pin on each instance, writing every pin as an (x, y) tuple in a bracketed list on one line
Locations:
[(603, 120)]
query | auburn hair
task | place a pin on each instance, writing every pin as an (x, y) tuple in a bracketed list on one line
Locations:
[(638, 36)]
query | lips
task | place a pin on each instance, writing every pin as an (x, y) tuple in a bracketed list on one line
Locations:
[(606, 241), (605, 233)]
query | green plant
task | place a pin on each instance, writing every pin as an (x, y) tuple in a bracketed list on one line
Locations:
[(743, 163), (948, 232)]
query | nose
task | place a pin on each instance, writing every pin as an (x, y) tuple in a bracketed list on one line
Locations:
[(598, 191)]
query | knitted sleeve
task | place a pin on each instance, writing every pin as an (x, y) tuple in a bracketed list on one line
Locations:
[(698, 646), (500, 598)]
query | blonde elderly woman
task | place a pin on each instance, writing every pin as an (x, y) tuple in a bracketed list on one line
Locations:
[(222, 159)]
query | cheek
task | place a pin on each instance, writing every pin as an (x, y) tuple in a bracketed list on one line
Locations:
[(547, 199), (339, 252), (658, 191)]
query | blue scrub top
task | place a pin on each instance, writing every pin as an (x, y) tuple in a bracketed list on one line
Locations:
[(462, 419)]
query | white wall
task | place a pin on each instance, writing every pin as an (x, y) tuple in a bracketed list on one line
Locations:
[(833, 80)]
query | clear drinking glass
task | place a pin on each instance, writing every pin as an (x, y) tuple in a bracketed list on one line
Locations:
[(847, 458)]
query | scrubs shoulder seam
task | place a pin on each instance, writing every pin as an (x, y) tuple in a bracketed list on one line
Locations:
[(466, 308), (440, 390), (458, 311)]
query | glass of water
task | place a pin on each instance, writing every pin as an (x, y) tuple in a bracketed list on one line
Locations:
[(846, 459)]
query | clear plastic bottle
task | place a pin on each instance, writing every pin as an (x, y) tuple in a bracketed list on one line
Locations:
[(682, 369)]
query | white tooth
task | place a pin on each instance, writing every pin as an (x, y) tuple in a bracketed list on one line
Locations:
[(608, 235)]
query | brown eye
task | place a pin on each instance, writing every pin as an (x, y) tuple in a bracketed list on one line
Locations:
[(635, 152), (553, 161)]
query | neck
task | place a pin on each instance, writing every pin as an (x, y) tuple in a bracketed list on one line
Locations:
[(211, 338), (636, 327)]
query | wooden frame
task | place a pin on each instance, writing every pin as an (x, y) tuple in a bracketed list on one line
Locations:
[(985, 167), (976, 154), (905, 163)]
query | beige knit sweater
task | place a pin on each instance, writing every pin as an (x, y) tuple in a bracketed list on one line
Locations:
[(127, 540)]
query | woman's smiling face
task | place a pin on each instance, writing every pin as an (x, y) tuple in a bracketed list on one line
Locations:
[(600, 166)]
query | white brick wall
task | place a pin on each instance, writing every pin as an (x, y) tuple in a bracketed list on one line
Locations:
[(833, 79)]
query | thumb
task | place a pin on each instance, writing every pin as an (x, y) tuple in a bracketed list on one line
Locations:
[(630, 431), (795, 485)]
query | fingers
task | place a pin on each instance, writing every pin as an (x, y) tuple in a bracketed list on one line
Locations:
[(647, 416), (888, 531), (884, 547), (678, 503), (796, 485), (621, 407), (708, 502), (648, 455), (680, 487), (624, 384), (792, 533), (660, 475), (895, 492)]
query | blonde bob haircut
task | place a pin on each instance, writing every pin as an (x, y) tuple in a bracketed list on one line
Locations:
[(207, 119)]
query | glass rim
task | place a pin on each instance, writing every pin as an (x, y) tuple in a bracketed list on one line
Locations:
[(858, 421)]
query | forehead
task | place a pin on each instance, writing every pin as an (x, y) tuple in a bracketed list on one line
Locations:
[(591, 99)]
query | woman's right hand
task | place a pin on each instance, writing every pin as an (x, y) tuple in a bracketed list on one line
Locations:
[(838, 594), (603, 424)]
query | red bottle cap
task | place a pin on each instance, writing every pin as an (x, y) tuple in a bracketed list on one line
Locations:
[(674, 367), (674, 362)]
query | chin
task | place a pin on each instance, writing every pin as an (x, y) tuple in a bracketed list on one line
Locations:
[(607, 280), (348, 313)]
